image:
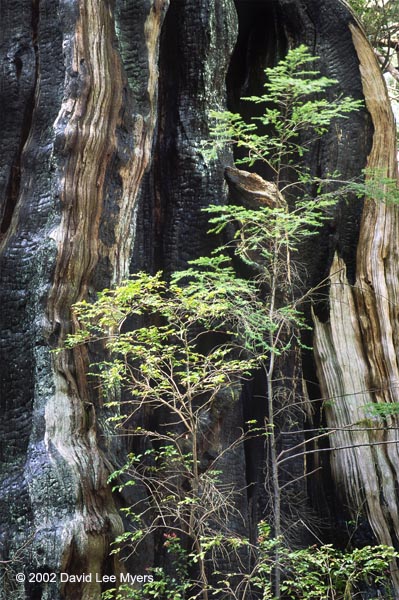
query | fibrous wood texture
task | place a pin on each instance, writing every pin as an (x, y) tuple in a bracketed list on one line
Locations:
[(76, 143), (357, 348), (104, 108)]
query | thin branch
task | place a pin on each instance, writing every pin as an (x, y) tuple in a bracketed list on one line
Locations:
[(350, 447), (387, 66), (299, 478)]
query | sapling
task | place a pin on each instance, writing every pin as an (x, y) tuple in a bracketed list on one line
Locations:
[(199, 336)]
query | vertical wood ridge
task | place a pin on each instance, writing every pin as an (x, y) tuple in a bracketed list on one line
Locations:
[(356, 350)]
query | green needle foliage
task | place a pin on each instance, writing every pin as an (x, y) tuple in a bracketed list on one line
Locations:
[(294, 102), (183, 365), (268, 237), (161, 363), (198, 337)]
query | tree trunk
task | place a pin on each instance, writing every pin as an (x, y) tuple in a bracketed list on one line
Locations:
[(356, 349), (104, 108)]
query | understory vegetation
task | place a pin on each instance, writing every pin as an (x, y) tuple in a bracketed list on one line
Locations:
[(181, 350)]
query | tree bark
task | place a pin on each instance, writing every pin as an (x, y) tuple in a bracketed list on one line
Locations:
[(356, 349), (105, 105)]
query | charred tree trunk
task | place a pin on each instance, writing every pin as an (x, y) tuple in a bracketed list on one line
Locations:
[(104, 105)]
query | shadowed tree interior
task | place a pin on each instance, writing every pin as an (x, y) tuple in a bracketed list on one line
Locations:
[(105, 105)]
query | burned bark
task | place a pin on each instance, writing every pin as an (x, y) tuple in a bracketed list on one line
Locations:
[(104, 108)]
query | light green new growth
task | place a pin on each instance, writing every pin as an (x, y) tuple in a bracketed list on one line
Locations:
[(198, 337), (294, 102)]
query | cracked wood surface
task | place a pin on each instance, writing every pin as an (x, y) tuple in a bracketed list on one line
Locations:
[(101, 172), (78, 145), (357, 349)]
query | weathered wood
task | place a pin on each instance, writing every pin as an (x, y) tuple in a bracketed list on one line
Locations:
[(356, 349), (80, 142), (104, 108)]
